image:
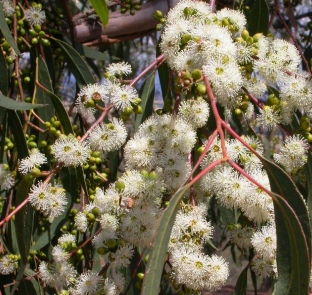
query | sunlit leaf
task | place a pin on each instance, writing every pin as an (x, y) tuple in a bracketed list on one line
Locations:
[(12, 104), (293, 233), (77, 65), (101, 10), (45, 80), (156, 261), (4, 74), (23, 220), (147, 93)]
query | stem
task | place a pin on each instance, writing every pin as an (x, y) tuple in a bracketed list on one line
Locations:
[(156, 63), (203, 154), (97, 122), (86, 242), (204, 171), (8, 217), (217, 117)]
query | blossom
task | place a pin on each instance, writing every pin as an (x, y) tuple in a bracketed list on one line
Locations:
[(35, 159), (241, 236), (7, 7), (69, 151), (88, 283), (7, 264), (51, 201), (123, 96), (262, 267), (268, 118), (119, 69), (81, 222), (57, 274), (293, 154), (194, 112), (198, 271), (108, 137), (6, 178), (35, 16), (122, 256), (264, 242), (89, 95)]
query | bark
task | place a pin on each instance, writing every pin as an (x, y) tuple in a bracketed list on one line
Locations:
[(120, 26)]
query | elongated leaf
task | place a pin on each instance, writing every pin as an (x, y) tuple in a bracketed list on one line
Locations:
[(4, 75), (6, 31), (241, 284), (12, 104), (101, 10), (147, 93), (44, 79), (19, 137), (61, 113), (155, 264), (308, 173), (293, 233), (258, 19), (24, 220), (77, 64)]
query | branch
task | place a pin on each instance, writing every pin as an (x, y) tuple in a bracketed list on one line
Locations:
[(119, 25)]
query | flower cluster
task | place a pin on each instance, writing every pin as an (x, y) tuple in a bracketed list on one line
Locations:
[(49, 200), (233, 61), (233, 190)]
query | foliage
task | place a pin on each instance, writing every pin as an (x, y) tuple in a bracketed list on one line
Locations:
[(101, 193)]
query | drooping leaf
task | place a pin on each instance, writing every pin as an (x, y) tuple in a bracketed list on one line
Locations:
[(77, 64), (12, 104), (4, 75), (156, 261), (258, 19), (23, 220), (61, 113), (44, 79), (147, 93), (101, 10), (19, 137), (241, 284), (6, 31), (293, 233), (308, 173)]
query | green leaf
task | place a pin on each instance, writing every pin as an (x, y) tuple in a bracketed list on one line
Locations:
[(12, 104), (147, 93), (4, 75), (19, 137), (42, 97), (241, 284), (6, 31), (308, 173), (155, 264), (258, 19), (23, 220), (293, 233), (76, 64), (61, 113), (101, 10), (90, 52)]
